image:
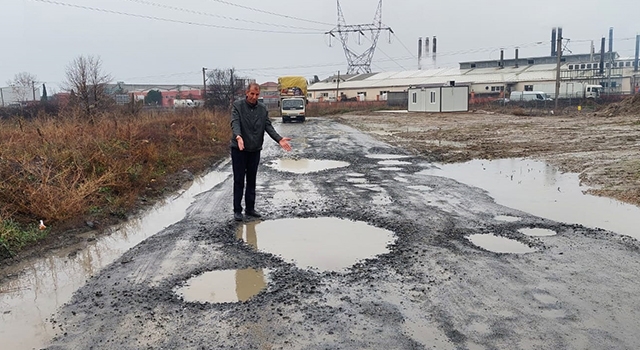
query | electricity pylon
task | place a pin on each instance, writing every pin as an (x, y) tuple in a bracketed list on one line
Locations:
[(359, 63)]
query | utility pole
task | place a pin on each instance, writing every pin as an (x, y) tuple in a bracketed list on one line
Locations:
[(233, 90), (2, 97), (33, 88), (559, 54), (204, 84), (338, 87)]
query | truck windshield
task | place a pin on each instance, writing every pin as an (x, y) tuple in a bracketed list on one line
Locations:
[(292, 104)]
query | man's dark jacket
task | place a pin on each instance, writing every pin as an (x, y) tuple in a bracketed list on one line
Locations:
[(250, 122)]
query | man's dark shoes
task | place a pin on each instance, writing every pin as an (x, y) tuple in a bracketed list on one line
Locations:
[(253, 213), (237, 216)]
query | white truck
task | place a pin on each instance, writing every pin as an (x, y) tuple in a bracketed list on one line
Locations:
[(293, 98), (183, 103), (569, 90)]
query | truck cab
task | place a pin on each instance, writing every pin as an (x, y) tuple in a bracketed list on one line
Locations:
[(292, 108), (592, 91)]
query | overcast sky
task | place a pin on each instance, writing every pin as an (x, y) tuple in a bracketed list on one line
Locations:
[(42, 36)]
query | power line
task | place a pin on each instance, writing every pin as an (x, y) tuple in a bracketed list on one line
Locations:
[(271, 13), (143, 2), (401, 43), (155, 18)]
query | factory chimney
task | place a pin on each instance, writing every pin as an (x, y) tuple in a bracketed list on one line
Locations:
[(501, 64), (420, 53), (602, 56), (553, 42), (637, 58), (517, 54), (610, 42)]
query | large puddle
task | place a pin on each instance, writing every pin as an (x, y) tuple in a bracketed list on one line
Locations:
[(499, 244), (540, 189), (225, 286), (325, 244), (46, 284), (303, 166)]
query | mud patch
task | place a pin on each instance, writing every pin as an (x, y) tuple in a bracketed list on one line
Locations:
[(499, 244), (325, 244), (225, 286), (304, 166)]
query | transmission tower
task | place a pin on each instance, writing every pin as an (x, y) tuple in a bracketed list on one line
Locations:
[(359, 63)]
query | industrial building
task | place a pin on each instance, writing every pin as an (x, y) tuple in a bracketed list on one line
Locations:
[(497, 78)]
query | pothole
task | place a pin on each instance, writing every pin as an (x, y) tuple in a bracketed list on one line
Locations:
[(507, 218), (391, 169), (303, 166), (499, 244), (224, 286), (325, 244), (393, 162), (537, 232), (387, 156)]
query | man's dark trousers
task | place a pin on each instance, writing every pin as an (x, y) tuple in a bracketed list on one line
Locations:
[(245, 164)]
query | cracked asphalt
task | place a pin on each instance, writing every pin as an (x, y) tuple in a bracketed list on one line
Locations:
[(433, 289)]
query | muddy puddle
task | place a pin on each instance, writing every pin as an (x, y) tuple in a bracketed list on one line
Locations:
[(44, 285), (387, 156), (540, 189), (304, 166), (225, 286), (537, 232), (499, 244), (323, 244)]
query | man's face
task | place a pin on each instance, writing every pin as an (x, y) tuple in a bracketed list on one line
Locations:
[(252, 95)]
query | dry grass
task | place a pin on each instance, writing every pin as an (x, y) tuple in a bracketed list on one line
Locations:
[(66, 168)]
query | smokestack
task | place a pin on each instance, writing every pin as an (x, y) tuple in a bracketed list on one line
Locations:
[(636, 62), (501, 58), (426, 46), (517, 54), (420, 53), (602, 56), (593, 51), (435, 45), (610, 41), (553, 42)]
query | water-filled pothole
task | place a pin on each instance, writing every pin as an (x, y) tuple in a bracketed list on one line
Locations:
[(499, 244), (387, 156), (507, 218), (224, 286), (303, 166), (326, 244), (537, 232), (391, 168), (393, 162)]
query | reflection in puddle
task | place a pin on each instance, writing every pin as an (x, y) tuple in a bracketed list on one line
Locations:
[(401, 179), (540, 189), (537, 232), (356, 180), (226, 286), (355, 174), (507, 218), (393, 162), (499, 244), (46, 284), (303, 166), (386, 156), (326, 244)]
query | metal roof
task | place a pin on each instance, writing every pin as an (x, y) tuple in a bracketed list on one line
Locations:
[(443, 76)]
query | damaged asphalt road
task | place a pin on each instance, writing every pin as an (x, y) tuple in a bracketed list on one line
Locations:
[(433, 288)]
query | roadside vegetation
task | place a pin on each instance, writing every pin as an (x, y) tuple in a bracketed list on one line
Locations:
[(68, 170)]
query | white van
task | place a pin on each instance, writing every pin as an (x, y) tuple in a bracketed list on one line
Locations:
[(529, 96)]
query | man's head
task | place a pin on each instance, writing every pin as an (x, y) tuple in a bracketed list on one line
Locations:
[(253, 92)]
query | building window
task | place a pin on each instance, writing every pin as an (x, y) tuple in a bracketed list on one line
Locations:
[(628, 64), (433, 97), (414, 97), (530, 62), (325, 94), (582, 66), (493, 88), (473, 65), (528, 88), (589, 66), (363, 93), (596, 65), (571, 66)]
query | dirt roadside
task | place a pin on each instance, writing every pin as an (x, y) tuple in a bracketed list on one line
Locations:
[(604, 147)]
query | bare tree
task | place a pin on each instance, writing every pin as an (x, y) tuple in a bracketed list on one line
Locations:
[(224, 87), (23, 86), (87, 82)]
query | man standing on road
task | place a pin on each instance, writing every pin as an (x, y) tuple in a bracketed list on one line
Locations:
[(249, 121)]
